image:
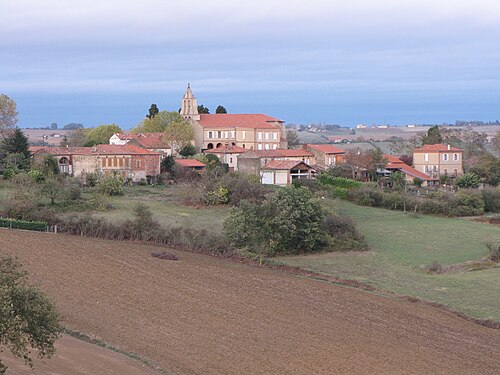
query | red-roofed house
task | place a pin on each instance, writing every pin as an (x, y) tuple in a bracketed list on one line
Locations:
[(283, 172), (130, 161), (394, 164), (326, 155), (149, 141), (436, 160), (248, 131), (227, 155), (193, 164)]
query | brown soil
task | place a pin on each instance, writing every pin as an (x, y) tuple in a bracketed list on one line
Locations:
[(75, 357), (202, 315)]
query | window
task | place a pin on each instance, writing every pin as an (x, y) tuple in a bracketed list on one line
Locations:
[(219, 134), (329, 160), (120, 162), (226, 135), (115, 162), (426, 157), (259, 146), (210, 134), (137, 163), (455, 157), (426, 168), (445, 171), (455, 172), (275, 146), (275, 136), (231, 160), (243, 135), (435, 168), (259, 136), (232, 133), (266, 136), (445, 157), (266, 146)]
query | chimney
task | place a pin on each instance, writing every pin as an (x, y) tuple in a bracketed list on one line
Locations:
[(449, 148)]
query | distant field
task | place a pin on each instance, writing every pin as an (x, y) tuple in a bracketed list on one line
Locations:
[(402, 244)]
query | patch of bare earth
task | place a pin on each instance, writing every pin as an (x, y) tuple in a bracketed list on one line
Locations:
[(202, 315)]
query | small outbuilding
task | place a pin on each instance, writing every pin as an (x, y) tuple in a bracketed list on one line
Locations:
[(283, 172)]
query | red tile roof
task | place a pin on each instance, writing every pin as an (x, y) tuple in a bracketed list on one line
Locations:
[(437, 148), (326, 148), (392, 159), (284, 164), (98, 150), (189, 163), (251, 121), (395, 163), (226, 150)]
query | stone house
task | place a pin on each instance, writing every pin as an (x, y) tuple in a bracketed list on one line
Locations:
[(326, 155), (437, 160), (149, 141), (129, 161), (252, 161)]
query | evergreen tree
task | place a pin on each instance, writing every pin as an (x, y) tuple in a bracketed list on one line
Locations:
[(220, 109), (202, 110), (433, 136), (153, 111), (16, 143)]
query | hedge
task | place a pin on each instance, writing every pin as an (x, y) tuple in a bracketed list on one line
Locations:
[(39, 226), (341, 182)]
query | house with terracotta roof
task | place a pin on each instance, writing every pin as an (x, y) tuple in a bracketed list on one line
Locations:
[(248, 131), (192, 164), (252, 161), (129, 161), (283, 172), (227, 155), (326, 155), (395, 164), (149, 141), (437, 160)]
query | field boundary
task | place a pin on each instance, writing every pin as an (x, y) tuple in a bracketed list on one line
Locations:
[(94, 341), (277, 265)]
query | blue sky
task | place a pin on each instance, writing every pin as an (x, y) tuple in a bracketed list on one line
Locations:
[(341, 62)]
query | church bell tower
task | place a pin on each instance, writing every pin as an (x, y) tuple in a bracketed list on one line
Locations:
[(189, 108)]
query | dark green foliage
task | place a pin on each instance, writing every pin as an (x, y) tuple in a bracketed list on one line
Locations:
[(203, 110), (491, 200), (468, 180), (220, 109), (418, 182), (433, 136), (494, 248), (168, 164), (288, 221), (28, 320), (16, 143), (187, 150), (341, 182), (397, 180), (343, 235), (153, 111), (38, 226)]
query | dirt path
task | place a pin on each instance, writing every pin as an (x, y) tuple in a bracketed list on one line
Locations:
[(201, 315), (75, 357)]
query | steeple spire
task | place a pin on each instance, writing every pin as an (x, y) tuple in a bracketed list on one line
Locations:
[(189, 108)]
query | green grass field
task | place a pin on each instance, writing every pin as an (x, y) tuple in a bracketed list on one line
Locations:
[(400, 244)]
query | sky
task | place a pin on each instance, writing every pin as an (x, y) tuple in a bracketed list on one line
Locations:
[(328, 61)]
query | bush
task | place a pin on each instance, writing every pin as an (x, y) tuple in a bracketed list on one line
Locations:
[(36, 175), (494, 248), (91, 179), (111, 185), (468, 180), (341, 182), (39, 226), (218, 196), (343, 234), (491, 200), (434, 267), (418, 182)]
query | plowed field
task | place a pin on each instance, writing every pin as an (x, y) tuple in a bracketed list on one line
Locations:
[(201, 315)]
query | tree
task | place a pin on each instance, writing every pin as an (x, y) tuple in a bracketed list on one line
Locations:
[(16, 143), (52, 189), (220, 109), (288, 221), (153, 111), (8, 113), (157, 124), (397, 180), (100, 134), (433, 136), (178, 134), (468, 180), (188, 150), (486, 166), (168, 164), (292, 138), (28, 320), (203, 110)]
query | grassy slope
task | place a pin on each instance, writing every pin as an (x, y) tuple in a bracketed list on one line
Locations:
[(402, 244)]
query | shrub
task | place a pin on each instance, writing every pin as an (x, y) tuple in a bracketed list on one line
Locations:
[(91, 179), (491, 199), (494, 248), (341, 182), (164, 255), (468, 180), (111, 185), (343, 234), (218, 196), (36, 175), (418, 182), (434, 267), (39, 226)]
